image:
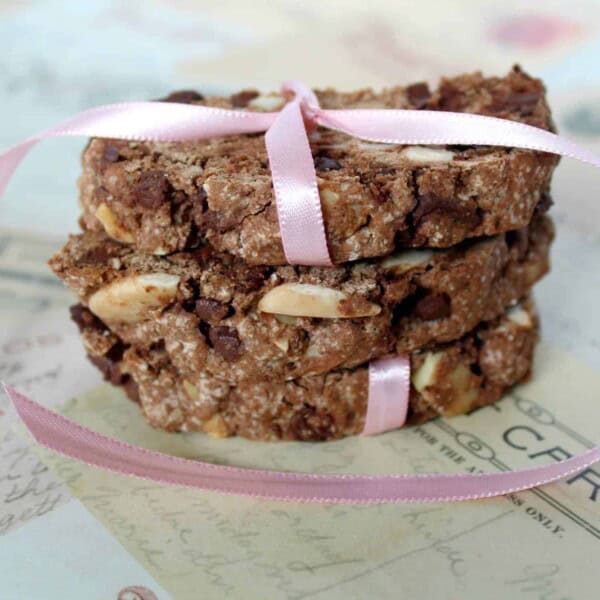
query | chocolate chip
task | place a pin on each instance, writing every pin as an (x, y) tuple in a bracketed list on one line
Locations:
[(158, 346), (218, 220), (116, 351), (99, 255), (226, 342), (451, 98), (429, 203), (324, 163), (183, 97), (519, 239), (418, 94), (475, 369), (151, 189), (204, 329), (308, 424), (194, 239), (544, 203), (211, 310), (523, 102), (109, 369), (250, 279), (84, 318), (242, 98), (202, 255), (433, 306), (111, 153), (426, 204)]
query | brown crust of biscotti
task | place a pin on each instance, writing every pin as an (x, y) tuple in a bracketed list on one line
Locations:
[(213, 321), (167, 197), (446, 380)]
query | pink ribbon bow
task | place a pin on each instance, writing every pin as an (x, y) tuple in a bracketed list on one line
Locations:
[(304, 242)]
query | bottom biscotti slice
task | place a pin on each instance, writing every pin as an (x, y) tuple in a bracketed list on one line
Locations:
[(447, 379)]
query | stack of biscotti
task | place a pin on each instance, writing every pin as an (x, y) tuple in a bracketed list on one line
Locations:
[(186, 300)]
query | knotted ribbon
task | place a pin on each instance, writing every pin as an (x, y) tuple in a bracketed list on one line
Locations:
[(304, 242)]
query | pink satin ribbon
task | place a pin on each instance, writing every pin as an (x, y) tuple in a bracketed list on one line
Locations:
[(389, 393), (71, 439), (304, 242)]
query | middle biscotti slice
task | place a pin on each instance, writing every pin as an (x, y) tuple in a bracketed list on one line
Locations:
[(213, 313)]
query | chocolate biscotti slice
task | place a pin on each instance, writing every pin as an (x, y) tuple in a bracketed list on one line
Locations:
[(447, 380), (213, 313), (168, 197)]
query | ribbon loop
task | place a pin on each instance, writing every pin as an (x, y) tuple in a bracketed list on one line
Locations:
[(306, 97)]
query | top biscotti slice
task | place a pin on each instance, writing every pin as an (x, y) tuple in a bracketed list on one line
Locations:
[(168, 197)]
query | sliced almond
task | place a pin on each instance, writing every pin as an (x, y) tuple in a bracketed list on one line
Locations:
[(308, 300), (425, 375), (282, 343), (129, 299), (424, 154), (216, 427), (174, 418), (328, 197), (112, 226), (312, 352), (406, 260), (517, 314), (452, 393), (363, 145), (465, 391), (286, 319)]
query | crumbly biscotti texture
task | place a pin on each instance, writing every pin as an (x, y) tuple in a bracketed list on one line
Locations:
[(167, 197), (446, 380), (214, 313)]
